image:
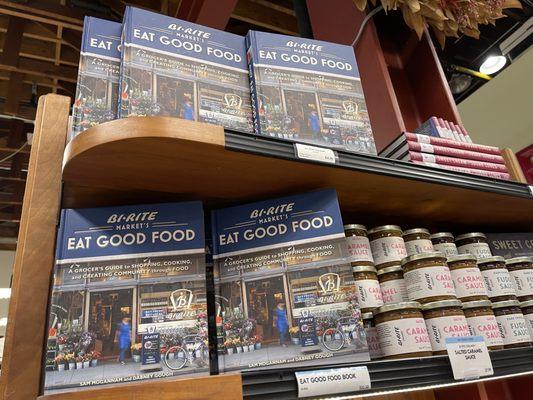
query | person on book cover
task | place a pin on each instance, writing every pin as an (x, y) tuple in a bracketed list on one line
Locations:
[(124, 339), (187, 108), (314, 123), (281, 323)]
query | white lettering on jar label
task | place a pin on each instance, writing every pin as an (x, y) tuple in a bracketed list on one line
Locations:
[(359, 248), (498, 282), (444, 327), (513, 328), (368, 293), (394, 291), (373, 343), (429, 282), (468, 282), (478, 250), (418, 246), (486, 326), (529, 323), (388, 249), (408, 335), (522, 281), (449, 249)]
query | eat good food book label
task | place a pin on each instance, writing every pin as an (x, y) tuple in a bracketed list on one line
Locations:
[(120, 272), (278, 262), (98, 74), (177, 68), (309, 91)]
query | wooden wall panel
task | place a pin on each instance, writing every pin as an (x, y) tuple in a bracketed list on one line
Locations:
[(34, 260)]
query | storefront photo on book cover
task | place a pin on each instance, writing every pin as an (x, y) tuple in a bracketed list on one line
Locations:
[(180, 69), (308, 91), (128, 299), (285, 294), (96, 98)]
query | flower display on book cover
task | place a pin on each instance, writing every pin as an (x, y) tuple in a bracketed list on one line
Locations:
[(96, 98)]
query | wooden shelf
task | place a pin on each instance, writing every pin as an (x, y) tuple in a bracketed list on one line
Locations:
[(145, 159)]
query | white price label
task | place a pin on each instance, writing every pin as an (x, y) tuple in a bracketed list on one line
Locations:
[(530, 189), (469, 357), (314, 153), (332, 381)]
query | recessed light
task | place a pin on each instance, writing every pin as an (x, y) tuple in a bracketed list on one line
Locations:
[(492, 64)]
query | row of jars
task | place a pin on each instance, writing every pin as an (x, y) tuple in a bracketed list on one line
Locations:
[(388, 245), (410, 329)]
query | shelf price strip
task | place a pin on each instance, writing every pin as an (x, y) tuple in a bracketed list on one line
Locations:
[(332, 381), (469, 357), (315, 153)]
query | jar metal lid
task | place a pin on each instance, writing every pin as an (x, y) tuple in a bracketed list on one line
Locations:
[(367, 315), (491, 260), (441, 304), (354, 226), (519, 260), (528, 303), (506, 303), (477, 304), (415, 230), (397, 306), (385, 228), (394, 268), (363, 268), (461, 257), (423, 256), (470, 235), (441, 235)]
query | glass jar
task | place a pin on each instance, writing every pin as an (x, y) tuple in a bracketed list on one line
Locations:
[(467, 279), (392, 284), (444, 242), (358, 245), (482, 322), (402, 332), (521, 271), (444, 319), (371, 336), (427, 278), (474, 243), (387, 245), (497, 279), (527, 310), (512, 324), (417, 241), (367, 287)]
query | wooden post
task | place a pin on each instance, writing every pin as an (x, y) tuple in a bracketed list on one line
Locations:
[(34, 260)]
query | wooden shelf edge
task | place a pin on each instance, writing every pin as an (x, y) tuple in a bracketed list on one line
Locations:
[(221, 387), (145, 127)]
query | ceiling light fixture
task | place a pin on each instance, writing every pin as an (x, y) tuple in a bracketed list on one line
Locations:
[(492, 64)]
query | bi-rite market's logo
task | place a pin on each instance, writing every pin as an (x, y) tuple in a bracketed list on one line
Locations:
[(329, 283), (232, 100), (180, 299), (350, 106)]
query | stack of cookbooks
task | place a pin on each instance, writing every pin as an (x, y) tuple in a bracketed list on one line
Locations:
[(432, 149)]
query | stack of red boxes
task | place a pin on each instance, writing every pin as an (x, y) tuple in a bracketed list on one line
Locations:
[(439, 143)]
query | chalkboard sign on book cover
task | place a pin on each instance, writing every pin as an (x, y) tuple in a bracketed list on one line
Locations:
[(129, 295), (285, 291)]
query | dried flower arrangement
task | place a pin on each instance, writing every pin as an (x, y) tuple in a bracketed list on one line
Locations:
[(446, 17)]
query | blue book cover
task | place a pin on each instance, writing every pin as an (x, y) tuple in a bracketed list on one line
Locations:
[(308, 91), (285, 292), (98, 75), (129, 295), (177, 68)]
